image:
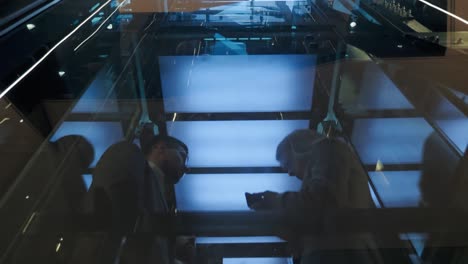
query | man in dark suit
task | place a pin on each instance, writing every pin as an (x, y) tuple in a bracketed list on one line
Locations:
[(129, 183)]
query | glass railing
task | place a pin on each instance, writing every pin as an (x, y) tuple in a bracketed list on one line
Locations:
[(164, 132)]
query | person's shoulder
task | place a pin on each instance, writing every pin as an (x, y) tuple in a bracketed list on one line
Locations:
[(335, 147), (332, 142)]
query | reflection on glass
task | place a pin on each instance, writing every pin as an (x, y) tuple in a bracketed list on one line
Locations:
[(377, 91), (100, 134), (374, 196), (226, 192), (98, 97), (452, 122), (254, 83), (257, 261), (397, 188), (365, 86), (417, 239), (390, 140), (238, 240), (233, 143), (338, 6)]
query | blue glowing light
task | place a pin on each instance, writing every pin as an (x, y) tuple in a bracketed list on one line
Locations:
[(257, 261), (225, 46), (238, 240), (100, 134), (253, 83), (390, 140), (397, 188), (226, 192), (233, 143), (96, 20), (377, 91), (94, 7)]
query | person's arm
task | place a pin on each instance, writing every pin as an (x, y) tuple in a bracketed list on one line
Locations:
[(311, 195)]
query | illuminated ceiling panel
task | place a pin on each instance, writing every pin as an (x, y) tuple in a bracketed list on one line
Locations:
[(233, 143), (397, 188), (226, 192), (252, 83), (390, 140), (377, 91), (257, 261), (238, 240), (453, 123), (456, 130)]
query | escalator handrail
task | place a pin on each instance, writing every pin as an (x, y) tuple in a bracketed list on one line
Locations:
[(12, 21)]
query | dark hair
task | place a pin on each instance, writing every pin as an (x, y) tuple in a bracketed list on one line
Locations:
[(147, 146), (77, 146)]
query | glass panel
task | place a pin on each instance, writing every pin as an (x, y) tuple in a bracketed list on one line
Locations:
[(452, 122), (98, 97), (397, 188), (100, 134), (251, 83), (13, 9), (390, 140), (227, 240), (256, 260), (452, 127), (375, 92), (226, 192), (417, 239), (229, 143), (374, 197)]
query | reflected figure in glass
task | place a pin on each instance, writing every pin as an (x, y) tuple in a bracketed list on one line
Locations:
[(331, 179)]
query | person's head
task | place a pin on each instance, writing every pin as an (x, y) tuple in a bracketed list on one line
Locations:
[(170, 155), (77, 149), (293, 151)]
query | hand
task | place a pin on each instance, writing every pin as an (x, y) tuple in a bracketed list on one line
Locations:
[(268, 201), (185, 249)]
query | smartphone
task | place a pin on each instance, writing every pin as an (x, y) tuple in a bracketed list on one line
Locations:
[(253, 198)]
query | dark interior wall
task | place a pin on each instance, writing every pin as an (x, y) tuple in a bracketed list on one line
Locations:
[(9, 7)]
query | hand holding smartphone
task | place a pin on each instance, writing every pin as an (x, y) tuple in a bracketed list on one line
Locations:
[(253, 198)]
